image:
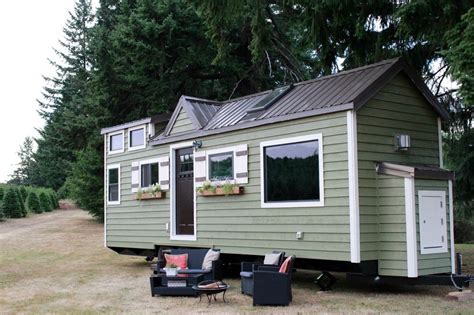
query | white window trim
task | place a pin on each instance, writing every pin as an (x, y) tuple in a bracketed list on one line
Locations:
[(144, 162), (434, 193), (109, 136), (293, 204), (130, 148), (173, 235), (109, 167), (220, 151)]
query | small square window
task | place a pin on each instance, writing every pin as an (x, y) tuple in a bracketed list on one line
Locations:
[(116, 142), (149, 174), (137, 137), (221, 166)]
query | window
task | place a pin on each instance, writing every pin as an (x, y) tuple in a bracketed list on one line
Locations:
[(292, 172), (221, 166), (113, 188), (149, 174), (116, 142), (136, 138)]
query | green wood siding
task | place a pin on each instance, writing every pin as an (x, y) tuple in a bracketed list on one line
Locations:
[(433, 263), (392, 249), (237, 224), (182, 123), (397, 109)]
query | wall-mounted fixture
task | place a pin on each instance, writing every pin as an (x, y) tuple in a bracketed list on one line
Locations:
[(197, 144), (402, 142), (299, 235)]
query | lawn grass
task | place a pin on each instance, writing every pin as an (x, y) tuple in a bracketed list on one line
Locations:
[(56, 263)]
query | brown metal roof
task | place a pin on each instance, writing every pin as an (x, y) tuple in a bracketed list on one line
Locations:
[(342, 91)]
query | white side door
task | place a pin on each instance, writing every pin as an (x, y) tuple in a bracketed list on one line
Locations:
[(432, 221)]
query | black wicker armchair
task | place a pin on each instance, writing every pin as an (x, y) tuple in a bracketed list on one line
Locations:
[(271, 287), (246, 273)]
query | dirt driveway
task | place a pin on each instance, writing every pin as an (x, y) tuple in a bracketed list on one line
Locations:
[(56, 263)]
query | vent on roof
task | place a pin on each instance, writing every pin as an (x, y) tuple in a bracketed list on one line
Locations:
[(270, 99)]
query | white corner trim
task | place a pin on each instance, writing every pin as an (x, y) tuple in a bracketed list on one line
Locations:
[(293, 204), (138, 147), (144, 162), (410, 222), (354, 218), (451, 225), (172, 189), (109, 142), (109, 167), (105, 191), (440, 144)]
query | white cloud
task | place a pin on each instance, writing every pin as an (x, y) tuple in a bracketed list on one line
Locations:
[(28, 32)]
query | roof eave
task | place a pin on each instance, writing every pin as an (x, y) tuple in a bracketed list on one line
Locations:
[(165, 139), (125, 126)]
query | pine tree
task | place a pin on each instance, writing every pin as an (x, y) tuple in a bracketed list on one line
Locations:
[(21, 202), (2, 211), (2, 192), (65, 105), (45, 203), (52, 201), (22, 175), (11, 205), (33, 203), (24, 193)]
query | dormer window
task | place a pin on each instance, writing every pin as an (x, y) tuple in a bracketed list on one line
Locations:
[(136, 138), (116, 142)]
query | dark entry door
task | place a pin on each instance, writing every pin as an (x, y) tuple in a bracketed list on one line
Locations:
[(184, 192)]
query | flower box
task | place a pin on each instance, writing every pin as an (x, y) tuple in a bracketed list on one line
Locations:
[(219, 191), (149, 196)]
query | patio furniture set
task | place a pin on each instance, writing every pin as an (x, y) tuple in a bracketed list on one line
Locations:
[(197, 272)]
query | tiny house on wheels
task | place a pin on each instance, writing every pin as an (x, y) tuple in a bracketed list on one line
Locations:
[(344, 171)]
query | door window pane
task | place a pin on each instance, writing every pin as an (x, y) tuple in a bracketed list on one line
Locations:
[(149, 174), (221, 166), (116, 142), (186, 162), (137, 137), (113, 184), (292, 172)]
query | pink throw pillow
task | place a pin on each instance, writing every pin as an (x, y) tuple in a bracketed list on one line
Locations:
[(285, 265), (179, 260)]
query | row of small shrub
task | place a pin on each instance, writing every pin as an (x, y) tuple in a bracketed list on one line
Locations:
[(18, 201)]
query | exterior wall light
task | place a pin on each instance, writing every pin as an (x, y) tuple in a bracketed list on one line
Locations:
[(197, 144)]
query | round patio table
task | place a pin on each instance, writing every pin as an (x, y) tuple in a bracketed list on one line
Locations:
[(210, 292)]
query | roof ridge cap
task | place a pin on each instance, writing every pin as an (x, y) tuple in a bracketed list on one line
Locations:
[(344, 72)]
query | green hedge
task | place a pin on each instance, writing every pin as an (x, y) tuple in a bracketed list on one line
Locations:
[(27, 200)]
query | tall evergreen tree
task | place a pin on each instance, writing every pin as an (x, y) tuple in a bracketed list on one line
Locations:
[(65, 106), (22, 175)]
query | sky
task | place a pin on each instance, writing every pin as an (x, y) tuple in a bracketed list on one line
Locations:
[(29, 30)]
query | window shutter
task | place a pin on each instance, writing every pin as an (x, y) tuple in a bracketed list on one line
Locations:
[(164, 172), (200, 168), (135, 176), (241, 164)]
